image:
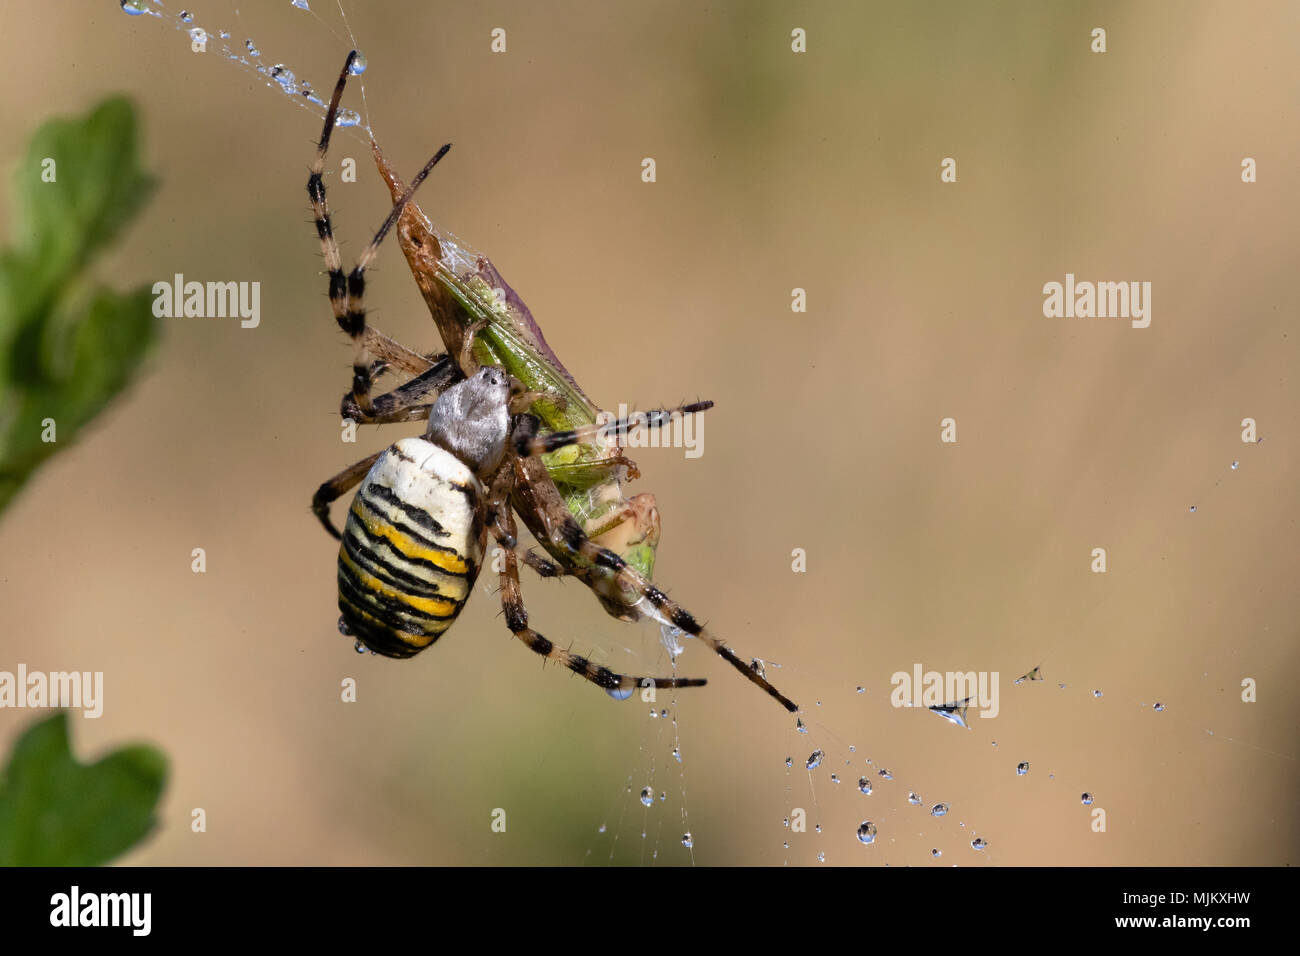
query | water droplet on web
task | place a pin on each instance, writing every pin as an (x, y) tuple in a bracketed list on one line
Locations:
[(662, 796), (939, 810), (185, 16), (789, 761), (224, 34), (864, 785), (835, 778), (1096, 693), (867, 832), (359, 647), (1022, 768), (359, 64), (936, 853), (300, 4), (647, 796), (284, 76), (862, 690), (198, 35), (821, 856), (886, 774), (252, 48), (687, 841), (815, 759), (799, 725), (913, 799), (1086, 799), (131, 8), (786, 823), (758, 667), (1192, 508), (817, 827), (677, 754), (619, 693), (601, 828), (978, 843), (1158, 707), (348, 118)]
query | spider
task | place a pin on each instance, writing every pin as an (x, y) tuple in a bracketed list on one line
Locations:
[(416, 531)]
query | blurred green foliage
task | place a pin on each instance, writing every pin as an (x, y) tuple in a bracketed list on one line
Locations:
[(67, 347), (55, 811)]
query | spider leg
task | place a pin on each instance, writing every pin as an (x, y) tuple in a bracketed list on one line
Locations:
[(347, 294), (619, 686), (567, 536), (408, 402), (585, 434), (337, 487)]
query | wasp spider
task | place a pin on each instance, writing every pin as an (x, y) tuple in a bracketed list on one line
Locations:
[(414, 540)]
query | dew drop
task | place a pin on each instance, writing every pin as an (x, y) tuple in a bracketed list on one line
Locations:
[(886, 774), (185, 16), (224, 34), (647, 796), (1086, 799), (1096, 693), (815, 759), (979, 843), (1235, 465), (1022, 768), (817, 827), (252, 48), (348, 118), (619, 693), (786, 823), (913, 799), (284, 76), (939, 810), (789, 761), (862, 690), (758, 666), (662, 796), (1158, 707), (936, 853), (821, 856), (359, 647), (835, 778), (300, 4), (687, 841), (131, 8), (867, 832), (677, 754), (198, 35), (359, 64), (864, 785), (799, 725), (1192, 508)]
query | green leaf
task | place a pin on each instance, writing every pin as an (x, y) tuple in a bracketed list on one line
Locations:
[(55, 811), (66, 350)]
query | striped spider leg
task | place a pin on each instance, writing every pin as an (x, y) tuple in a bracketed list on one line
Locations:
[(347, 293), (565, 535)]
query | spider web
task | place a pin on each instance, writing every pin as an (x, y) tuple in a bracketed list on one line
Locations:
[(855, 765)]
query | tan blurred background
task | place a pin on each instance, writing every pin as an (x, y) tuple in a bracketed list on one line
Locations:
[(775, 171)]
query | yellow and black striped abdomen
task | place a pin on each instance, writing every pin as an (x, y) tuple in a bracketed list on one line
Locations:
[(411, 548)]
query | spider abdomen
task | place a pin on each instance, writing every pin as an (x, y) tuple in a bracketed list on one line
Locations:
[(412, 548)]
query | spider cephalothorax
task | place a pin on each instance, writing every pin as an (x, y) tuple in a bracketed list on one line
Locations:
[(417, 528)]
